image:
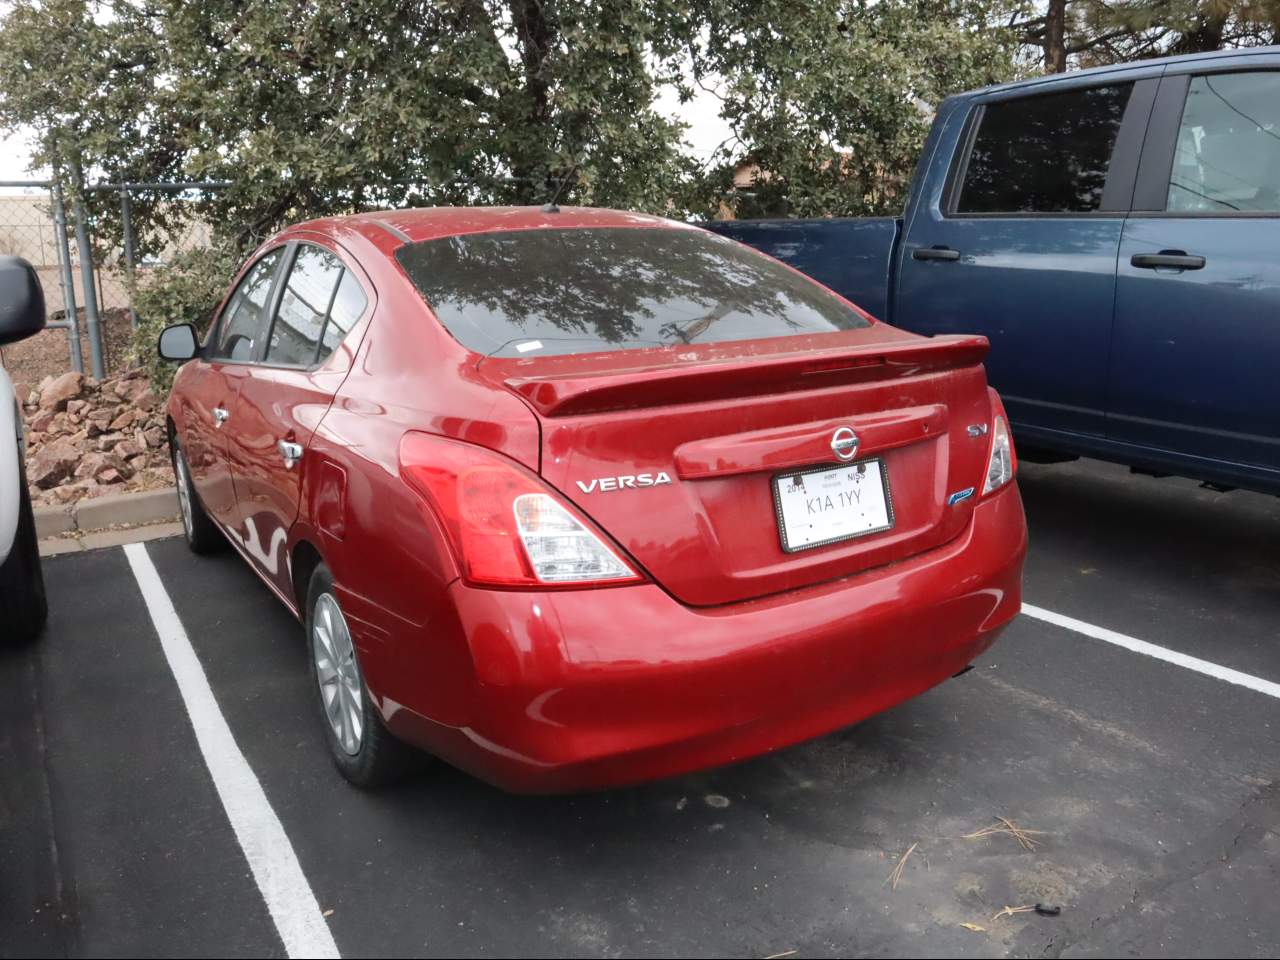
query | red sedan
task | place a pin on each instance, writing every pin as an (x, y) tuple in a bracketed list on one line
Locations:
[(577, 498)]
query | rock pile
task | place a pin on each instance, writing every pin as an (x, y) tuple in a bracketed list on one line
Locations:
[(87, 437)]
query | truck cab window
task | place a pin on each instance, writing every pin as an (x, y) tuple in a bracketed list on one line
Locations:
[(1043, 154), (1227, 156)]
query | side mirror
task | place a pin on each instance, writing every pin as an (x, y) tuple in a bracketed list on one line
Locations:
[(21, 300), (178, 343)]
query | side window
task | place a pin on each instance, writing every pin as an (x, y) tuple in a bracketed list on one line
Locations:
[(1227, 155), (1043, 154), (304, 305), (243, 319), (348, 307)]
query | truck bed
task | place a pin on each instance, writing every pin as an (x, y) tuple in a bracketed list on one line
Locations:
[(851, 255)]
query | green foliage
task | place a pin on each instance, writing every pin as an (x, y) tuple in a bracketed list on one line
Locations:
[(319, 108), (1143, 28), (1098, 32), (88, 78), (330, 106), (832, 103), (186, 290)]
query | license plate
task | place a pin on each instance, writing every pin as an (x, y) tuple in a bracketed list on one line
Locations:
[(830, 504)]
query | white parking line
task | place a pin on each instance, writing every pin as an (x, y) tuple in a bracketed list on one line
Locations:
[(275, 866), (1152, 650)]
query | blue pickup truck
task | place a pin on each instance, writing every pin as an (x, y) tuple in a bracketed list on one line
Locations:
[(1116, 234)]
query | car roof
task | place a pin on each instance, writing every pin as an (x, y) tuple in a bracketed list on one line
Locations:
[(1073, 75), (431, 223)]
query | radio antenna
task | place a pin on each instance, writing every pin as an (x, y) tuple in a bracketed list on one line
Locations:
[(550, 206)]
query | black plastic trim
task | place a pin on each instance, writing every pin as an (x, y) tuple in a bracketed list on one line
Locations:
[(1154, 169)]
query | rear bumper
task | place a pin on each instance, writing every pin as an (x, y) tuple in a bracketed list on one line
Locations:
[(594, 689)]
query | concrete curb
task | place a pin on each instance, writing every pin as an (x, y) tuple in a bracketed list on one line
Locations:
[(95, 540), (117, 509)]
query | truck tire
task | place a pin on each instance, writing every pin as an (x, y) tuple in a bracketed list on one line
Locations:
[(23, 605)]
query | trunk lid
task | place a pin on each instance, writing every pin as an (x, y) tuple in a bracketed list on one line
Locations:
[(673, 451)]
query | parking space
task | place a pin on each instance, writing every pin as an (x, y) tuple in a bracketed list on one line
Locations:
[(1155, 789)]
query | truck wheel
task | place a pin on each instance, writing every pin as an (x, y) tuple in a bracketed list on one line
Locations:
[(362, 749), (23, 606), (202, 536)]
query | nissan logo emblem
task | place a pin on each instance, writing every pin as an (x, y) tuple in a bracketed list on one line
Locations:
[(844, 443)]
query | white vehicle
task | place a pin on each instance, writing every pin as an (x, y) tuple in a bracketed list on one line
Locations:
[(23, 608)]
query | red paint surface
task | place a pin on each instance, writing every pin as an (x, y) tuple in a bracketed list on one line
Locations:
[(731, 646)]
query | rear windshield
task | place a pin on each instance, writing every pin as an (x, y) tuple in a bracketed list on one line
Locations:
[(557, 291)]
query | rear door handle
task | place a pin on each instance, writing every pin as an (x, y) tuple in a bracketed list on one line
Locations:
[(220, 416), (935, 253), (1178, 259), (290, 452)]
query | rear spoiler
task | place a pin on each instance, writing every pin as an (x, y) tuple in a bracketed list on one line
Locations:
[(654, 386)]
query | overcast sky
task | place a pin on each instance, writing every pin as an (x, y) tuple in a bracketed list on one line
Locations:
[(15, 154)]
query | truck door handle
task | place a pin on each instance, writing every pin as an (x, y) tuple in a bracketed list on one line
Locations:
[(1178, 259), (290, 452), (220, 416), (935, 253)]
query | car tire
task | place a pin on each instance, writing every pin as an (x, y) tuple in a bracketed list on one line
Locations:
[(362, 748), (200, 531), (24, 607)]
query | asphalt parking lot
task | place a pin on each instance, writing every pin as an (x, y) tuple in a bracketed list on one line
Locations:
[(1155, 788)]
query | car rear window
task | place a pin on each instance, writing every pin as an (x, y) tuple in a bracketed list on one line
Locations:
[(558, 291)]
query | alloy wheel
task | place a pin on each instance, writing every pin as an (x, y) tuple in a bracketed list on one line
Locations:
[(338, 674), (184, 492)]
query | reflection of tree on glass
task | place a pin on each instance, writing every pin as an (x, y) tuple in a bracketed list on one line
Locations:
[(304, 304), (556, 291), (1044, 154), (243, 316)]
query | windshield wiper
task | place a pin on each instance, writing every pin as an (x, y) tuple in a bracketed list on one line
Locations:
[(690, 330)]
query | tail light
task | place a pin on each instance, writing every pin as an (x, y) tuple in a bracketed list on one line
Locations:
[(508, 528), (1002, 462)]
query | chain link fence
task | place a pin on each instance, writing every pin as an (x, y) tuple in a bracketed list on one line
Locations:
[(33, 225), (85, 277)]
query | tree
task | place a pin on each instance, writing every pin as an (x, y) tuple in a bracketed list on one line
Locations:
[(85, 79), (311, 107), (1188, 26), (1087, 33), (1055, 37), (832, 104)]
